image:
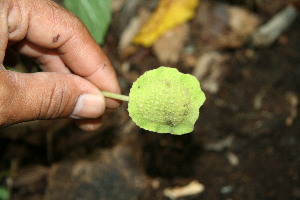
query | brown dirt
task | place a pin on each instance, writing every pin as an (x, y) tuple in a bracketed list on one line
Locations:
[(250, 119)]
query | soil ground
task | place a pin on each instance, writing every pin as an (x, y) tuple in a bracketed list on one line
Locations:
[(245, 145)]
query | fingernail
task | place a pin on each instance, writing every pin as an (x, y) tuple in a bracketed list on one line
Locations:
[(88, 106)]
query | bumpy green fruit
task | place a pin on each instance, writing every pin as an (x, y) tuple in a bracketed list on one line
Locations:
[(164, 100)]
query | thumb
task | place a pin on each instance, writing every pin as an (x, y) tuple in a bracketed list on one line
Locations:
[(47, 95)]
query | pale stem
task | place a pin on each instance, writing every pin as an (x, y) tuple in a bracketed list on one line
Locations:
[(115, 96)]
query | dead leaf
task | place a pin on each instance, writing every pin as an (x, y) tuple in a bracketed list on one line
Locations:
[(242, 24), (168, 47), (169, 14), (223, 26), (132, 29), (211, 69)]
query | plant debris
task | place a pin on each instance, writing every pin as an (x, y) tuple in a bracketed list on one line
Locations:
[(192, 189)]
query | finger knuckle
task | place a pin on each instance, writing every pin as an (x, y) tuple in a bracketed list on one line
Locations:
[(56, 103), (9, 86)]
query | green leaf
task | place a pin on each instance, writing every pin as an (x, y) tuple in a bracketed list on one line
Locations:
[(4, 195), (95, 14), (164, 100)]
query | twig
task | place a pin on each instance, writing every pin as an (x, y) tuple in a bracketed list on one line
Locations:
[(269, 32)]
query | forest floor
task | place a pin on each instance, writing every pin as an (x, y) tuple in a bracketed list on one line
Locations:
[(245, 145)]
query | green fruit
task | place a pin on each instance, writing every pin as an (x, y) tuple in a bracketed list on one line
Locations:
[(164, 100)]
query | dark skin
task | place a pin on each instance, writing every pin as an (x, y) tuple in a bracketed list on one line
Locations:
[(76, 69)]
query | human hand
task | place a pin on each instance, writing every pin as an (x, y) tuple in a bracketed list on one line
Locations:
[(75, 67)]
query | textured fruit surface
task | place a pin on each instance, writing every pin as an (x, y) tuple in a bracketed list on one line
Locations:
[(164, 100)]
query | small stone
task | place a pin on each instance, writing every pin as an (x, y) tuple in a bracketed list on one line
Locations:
[(233, 159), (192, 189), (227, 189)]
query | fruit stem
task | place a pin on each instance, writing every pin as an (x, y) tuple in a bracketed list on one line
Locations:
[(115, 96)]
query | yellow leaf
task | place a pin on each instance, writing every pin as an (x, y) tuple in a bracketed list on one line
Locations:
[(169, 14)]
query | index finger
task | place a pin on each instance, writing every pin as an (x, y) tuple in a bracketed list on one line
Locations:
[(85, 58), (52, 27)]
